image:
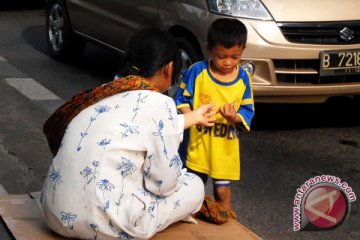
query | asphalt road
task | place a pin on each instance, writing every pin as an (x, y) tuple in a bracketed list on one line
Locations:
[(288, 144)]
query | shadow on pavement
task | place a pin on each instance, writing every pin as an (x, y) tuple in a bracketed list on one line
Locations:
[(7, 5), (35, 36), (336, 112), (95, 60)]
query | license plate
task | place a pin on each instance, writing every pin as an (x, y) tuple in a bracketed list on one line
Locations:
[(340, 62)]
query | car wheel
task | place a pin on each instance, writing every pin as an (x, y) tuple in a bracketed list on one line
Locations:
[(62, 42), (189, 55)]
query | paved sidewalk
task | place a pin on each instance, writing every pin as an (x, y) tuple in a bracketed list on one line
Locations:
[(24, 154)]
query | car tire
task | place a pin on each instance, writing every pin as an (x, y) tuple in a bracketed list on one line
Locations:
[(189, 55), (62, 42)]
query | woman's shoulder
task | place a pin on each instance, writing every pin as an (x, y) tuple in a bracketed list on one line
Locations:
[(155, 97), (154, 103)]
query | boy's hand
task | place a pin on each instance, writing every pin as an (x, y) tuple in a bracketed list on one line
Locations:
[(228, 111)]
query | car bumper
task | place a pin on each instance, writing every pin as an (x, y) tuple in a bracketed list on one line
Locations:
[(290, 72), (302, 93)]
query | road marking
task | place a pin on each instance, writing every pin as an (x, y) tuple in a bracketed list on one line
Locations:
[(31, 89), (2, 59), (2, 190)]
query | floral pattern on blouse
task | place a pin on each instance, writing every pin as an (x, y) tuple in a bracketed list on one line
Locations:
[(119, 159)]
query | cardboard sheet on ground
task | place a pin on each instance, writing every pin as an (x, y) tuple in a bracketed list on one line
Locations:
[(22, 217)]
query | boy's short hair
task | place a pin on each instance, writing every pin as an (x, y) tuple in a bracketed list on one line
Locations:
[(227, 32)]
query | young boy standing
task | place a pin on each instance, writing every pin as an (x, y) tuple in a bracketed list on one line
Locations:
[(214, 151)]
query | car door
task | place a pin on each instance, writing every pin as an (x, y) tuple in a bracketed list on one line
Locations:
[(112, 22)]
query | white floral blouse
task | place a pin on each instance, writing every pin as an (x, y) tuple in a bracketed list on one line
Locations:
[(117, 174)]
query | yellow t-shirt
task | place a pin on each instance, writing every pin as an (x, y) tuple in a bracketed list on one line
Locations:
[(215, 150)]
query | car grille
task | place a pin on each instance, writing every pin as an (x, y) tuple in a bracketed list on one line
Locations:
[(306, 71), (322, 33)]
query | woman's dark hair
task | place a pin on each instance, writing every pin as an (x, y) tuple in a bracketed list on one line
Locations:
[(149, 50), (227, 32)]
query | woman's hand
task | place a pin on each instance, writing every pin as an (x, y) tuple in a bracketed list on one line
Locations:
[(203, 115)]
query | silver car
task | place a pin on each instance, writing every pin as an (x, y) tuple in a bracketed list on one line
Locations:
[(297, 51)]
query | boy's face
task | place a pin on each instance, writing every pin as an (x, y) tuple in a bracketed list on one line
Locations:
[(226, 59)]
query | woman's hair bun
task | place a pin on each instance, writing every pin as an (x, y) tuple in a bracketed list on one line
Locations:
[(149, 50)]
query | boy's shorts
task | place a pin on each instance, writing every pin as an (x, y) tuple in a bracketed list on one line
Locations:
[(204, 178)]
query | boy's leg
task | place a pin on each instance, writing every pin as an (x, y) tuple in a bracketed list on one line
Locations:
[(222, 192)]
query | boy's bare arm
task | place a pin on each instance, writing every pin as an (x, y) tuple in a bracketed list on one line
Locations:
[(185, 109)]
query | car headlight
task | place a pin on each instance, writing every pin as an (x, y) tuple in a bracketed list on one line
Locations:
[(240, 8), (249, 67)]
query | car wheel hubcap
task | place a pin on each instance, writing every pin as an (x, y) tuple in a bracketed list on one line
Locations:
[(56, 28)]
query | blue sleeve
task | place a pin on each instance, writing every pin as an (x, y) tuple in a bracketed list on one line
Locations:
[(185, 93), (247, 110)]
